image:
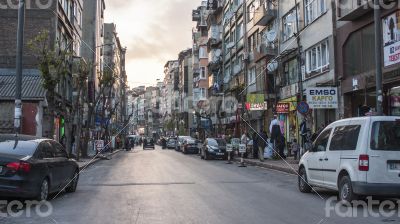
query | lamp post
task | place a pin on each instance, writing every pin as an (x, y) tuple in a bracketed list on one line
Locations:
[(18, 76)]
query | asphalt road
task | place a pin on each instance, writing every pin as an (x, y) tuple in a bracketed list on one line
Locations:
[(164, 186)]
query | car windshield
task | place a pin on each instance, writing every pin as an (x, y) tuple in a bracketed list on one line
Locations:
[(171, 140), (385, 136), (13, 147), (216, 142)]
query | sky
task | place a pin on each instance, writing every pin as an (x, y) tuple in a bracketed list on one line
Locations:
[(154, 31)]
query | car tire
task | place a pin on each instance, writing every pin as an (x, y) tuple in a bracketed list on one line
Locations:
[(74, 183), (346, 193), (44, 190), (303, 182)]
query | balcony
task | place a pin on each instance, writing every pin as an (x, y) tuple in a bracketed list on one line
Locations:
[(214, 35), (351, 10), (262, 51), (264, 14)]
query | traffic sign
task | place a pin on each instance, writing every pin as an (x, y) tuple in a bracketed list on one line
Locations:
[(229, 148), (303, 107), (242, 148)]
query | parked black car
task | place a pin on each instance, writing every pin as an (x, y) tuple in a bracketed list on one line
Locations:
[(148, 143), (190, 145), (32, 167), (214, 148)]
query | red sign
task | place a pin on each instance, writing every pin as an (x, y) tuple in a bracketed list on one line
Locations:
[(282, 108)]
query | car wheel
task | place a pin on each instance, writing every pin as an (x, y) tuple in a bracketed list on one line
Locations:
[(44, 190), (74, 183), (303, 182), (346, 193)]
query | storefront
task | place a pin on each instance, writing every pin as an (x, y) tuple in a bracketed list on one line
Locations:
[(323, 101), (288, 117), (357, 74)]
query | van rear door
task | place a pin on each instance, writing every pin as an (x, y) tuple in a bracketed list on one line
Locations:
[(384, 153)]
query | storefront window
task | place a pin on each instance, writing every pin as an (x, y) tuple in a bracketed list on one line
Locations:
[(395, 101)]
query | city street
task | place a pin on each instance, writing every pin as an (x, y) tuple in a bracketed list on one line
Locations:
[(165, 186)]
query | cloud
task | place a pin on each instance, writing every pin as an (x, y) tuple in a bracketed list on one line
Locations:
[(154, 31)]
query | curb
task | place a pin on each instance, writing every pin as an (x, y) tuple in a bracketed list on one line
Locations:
[(86, 165), (268, 166)]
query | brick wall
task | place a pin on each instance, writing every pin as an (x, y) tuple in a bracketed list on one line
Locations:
[(36, 20)]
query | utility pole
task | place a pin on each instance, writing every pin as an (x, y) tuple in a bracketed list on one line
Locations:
[(378, 57), (300, 75), (18, 75)]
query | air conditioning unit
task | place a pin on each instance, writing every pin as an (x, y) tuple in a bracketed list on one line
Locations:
[(245, 56)]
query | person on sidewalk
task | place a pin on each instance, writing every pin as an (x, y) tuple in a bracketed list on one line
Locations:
[(255, 145), (281, 143), (295, 148), (262, 143), (275, 131)]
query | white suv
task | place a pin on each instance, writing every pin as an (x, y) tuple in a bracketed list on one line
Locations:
[(356, 156)]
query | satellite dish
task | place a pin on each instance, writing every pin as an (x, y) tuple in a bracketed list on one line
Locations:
[(271, 35), (272, 66), (218, 52)]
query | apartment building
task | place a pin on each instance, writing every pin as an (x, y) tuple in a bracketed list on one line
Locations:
[(63, 21)]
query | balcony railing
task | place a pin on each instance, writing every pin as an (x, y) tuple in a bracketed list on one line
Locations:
[(351, 10), (264, 14), (262, 51)]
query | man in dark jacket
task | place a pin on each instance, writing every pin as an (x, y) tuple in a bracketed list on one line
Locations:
[(255, 145)]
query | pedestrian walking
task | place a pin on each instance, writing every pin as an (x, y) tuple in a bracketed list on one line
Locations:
[(295, 148), (275, 131), (255, 145), (281, 143)]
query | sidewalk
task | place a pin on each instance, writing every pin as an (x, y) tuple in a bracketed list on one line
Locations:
[(84, 163), (279, 165)]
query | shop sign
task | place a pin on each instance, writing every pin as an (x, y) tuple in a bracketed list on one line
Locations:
[(282, 108), (256, 102), (391, 39), (322, 97)]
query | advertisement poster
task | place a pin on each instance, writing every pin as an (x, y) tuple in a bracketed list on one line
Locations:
[(391, 39)]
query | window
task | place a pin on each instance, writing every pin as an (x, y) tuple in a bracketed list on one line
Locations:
[(321, 142), (291, 74), (46, 150), (203, 93), (313, 9), (203, 52), (251, 10), (385, 136), (360, 42), (289, 23), (251, 76), (317, 58), (59, 150), (239, 31), (345, 138), (13, 147), (203, 72)]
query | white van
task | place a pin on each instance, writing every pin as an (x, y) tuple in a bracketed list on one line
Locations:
[(356, 156)]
